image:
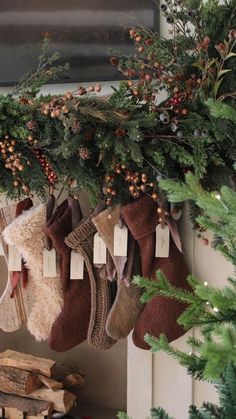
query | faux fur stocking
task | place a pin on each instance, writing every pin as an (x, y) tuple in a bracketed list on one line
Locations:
[(14, 311), (127, 306), (160, 314), (71, 326), (26, 233)]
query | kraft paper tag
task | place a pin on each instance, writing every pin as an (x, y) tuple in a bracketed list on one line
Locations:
[(14, 259), (49, 263), (76, 266), (1, 250), (99, 250), (162, 241), (120, 240)]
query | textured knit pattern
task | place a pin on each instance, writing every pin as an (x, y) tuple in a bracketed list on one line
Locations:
[(26, 233), (127, 306), (71, 326), (81, 239), (160, 314)]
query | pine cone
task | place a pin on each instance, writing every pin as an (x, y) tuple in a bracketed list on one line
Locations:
[(120, 132), (84, 153), (31, 125), (76, 127)]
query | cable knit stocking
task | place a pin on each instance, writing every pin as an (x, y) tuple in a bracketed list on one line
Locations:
[(160, 314), (127, 306), (81, 239), (26, 233)]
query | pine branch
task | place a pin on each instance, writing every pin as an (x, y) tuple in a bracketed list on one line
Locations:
[(159, 413), (221, 110)]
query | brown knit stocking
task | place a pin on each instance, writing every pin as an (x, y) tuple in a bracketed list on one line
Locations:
[(160, 314), (70, 327)]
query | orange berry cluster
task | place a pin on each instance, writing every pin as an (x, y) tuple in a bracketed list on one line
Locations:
[(60, 105), (13, 161), (138, 183)]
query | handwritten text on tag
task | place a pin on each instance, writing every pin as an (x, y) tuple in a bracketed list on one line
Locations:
[(120, 240), (99, 250), (49, 263), (162, 241), (76, 266), (14, 259)]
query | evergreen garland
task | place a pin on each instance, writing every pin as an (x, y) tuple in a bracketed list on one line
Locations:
[(123, 145)]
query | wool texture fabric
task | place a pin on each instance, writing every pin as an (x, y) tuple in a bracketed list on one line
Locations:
[(81, 240), (127, 306), (14, 311), (26, 233), (160, 314), (71, 326)]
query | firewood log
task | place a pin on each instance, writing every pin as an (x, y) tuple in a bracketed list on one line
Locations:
[(33, 408), (15, 381), (27, 362)]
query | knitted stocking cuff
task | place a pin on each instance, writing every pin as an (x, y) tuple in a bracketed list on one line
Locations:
[(141, 217)]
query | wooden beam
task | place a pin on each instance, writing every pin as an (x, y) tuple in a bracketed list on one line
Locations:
[(27, 362), (29, 406), (18, 382)]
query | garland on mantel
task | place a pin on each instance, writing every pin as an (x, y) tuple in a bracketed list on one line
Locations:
[(122, 145)]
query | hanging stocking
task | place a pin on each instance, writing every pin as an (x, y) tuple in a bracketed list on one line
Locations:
[(26, 233), (71, 326), (14, 311), (160, 314), (81, 239), (127, 306)]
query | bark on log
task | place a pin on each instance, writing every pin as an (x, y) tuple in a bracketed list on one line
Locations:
[(27, 362), (18, 382), (31, 407), (74, 380), (62, 400)]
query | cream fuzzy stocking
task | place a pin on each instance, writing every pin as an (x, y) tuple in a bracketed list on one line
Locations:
[(13, 311), (26, 233)]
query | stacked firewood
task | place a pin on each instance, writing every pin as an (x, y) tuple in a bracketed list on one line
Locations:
[(29, 390)]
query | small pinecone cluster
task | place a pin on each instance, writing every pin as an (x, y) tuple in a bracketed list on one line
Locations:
[(76, 127), (31, 125), (85, 153)]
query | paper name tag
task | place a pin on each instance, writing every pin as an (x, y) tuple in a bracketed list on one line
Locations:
[(120, 240), (162, 241), (76, 265), (99, 250), (14, 259), (1, 250), (49, 263)]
